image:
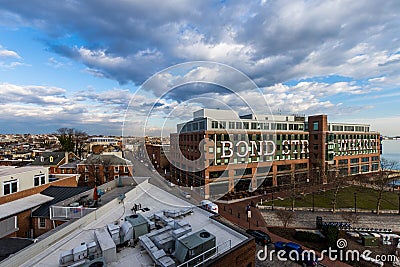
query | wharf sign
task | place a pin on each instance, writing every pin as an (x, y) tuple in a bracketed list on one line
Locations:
[(262, 148), (357, 144)]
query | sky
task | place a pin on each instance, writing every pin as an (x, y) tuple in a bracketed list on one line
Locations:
[(82, 64)]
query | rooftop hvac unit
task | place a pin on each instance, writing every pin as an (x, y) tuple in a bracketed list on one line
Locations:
[(126, 232), (66, 256), (113, 229), (106, 244), (139, 224), (188, 247), (80, 252)]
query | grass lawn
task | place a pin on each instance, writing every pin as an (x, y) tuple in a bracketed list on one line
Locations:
[(366, 199)]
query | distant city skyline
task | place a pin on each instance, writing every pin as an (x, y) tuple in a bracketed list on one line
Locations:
[(77, 64)]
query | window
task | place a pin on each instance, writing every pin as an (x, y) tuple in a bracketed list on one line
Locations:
[(214, 124), (238, 125), (39, 179), (354, 160), (42, 223), (231, 125), (126, 169), (262, 169), (282, 168), (315, 126), (86, 178), (116, 177), (10, 187), (116, 169)]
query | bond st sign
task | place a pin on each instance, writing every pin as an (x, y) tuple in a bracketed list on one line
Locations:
[(262, 148)]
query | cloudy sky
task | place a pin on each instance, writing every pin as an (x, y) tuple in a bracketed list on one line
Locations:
[(78, 63)]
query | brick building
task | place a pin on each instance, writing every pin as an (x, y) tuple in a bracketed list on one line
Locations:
[(16, 208), (99, 169), (221, 152), (158, 156), (41, 221)]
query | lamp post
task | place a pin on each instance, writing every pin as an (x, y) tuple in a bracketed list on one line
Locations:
[(248, 211), (355, 202), (398, 193), (313, 202), (272, 201)]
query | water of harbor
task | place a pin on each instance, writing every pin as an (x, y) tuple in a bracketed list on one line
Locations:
[(391, 151)]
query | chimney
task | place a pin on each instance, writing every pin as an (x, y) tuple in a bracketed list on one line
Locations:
[(66, 157)]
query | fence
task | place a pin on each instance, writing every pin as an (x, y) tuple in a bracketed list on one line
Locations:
[(60, 213)]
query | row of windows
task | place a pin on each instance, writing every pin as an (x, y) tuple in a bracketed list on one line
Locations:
[(257, 125), (356, 136), (257, 137), (348, 128), (191, 137), (357, 160), (116, 168), (194, 126), (356, 152)]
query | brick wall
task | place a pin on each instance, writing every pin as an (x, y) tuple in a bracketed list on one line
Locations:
[(23, 222), (37, 231), (70, 181)]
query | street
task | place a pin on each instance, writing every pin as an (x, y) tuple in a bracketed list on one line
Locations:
[(141, 170)]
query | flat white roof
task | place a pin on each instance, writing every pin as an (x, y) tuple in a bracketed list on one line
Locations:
[(13, 171), (22, 204), (148, 196)]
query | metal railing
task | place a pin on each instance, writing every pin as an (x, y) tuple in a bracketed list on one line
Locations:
[(59, 212), (201, 259)]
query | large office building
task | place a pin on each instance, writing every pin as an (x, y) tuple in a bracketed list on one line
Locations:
[(219, 151)]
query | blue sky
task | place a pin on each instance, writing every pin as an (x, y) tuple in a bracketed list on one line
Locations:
[(78, 63)]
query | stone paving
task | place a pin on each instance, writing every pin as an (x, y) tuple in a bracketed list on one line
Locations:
[(307, 219)]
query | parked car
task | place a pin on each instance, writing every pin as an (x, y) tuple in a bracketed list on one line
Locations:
[(260, 237), (208, 205), (185, 194), (305, 259)]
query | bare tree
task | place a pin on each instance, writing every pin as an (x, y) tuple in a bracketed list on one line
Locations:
[(338, 183), (285, 216), (72, 140), (382, 179), (80, 138), (351, 217), (293, 190)]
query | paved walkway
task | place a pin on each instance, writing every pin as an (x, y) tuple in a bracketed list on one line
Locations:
[(307, 219)]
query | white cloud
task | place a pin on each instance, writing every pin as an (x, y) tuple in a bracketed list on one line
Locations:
[(9, 53)]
